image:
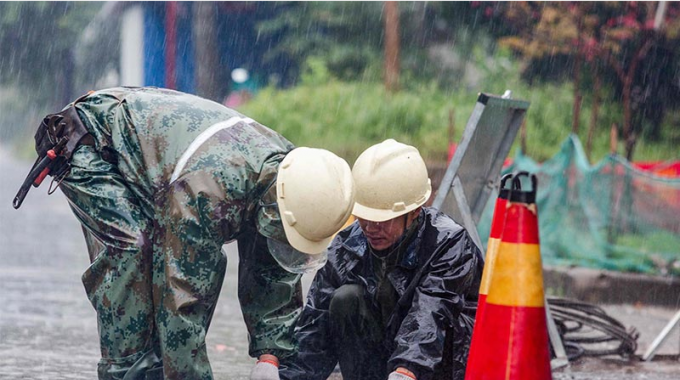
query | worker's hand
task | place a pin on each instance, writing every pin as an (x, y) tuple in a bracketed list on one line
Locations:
[(267, 368), (402, 373)]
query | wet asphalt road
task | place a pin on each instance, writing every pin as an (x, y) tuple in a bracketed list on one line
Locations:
[(48, 328)]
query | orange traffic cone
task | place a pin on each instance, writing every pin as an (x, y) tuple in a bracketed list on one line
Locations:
[(515, 344), (474, 358)]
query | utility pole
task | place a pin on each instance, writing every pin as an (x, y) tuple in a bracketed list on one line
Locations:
[(391, 16)]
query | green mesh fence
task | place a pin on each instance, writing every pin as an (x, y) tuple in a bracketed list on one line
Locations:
[(608, 216)]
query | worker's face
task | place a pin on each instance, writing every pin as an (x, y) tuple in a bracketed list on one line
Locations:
[(382, 235)]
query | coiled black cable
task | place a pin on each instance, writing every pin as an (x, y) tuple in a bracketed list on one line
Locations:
[(587, 330)]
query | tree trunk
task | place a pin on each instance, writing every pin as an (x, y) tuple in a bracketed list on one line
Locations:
[(391, 16), (523, 136), (628, 137), (594, 114), (613, 139), (613, 199), (577, 95), (209, 74), (577, 76), (171, 45)]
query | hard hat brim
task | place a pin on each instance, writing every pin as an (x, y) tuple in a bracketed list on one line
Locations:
[(377, 215), (303, 244)]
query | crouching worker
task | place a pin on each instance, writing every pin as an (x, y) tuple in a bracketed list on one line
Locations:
[(397, 297), (160, 180)]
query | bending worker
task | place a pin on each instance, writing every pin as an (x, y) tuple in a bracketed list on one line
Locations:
[(160, 180), (397, 298)]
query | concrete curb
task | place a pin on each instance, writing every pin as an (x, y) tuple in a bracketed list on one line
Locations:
[(607, 287)]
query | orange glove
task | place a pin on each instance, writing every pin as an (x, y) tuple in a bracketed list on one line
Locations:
[(402, 373), (267, 368)]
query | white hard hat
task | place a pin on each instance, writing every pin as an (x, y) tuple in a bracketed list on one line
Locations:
[(315, 194), (391, 180)]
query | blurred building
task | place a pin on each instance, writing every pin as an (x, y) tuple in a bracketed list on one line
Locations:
[(190, 46)]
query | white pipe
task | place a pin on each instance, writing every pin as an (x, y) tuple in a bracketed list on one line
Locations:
[(132, 47), (660, 13)]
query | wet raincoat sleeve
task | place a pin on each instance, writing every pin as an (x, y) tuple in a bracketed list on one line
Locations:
[(453, 274), (271, 298), (316, 357)]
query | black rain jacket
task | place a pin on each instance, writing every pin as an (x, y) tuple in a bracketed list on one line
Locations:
[(429, 332)]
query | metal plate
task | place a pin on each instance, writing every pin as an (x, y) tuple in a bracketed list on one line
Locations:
[(479, 157)]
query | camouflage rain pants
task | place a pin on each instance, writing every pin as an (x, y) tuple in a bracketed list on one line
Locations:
[(125, 281)]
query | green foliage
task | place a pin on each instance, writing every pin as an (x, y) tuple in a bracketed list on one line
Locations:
[(348, 116), (316, 72), (349, 35), (38, 62), (36, 39), (340, 102), (659, 247), (614, 41), (663, 148), (549, 36)]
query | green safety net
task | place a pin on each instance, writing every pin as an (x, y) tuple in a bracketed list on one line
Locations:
[(609, 216)]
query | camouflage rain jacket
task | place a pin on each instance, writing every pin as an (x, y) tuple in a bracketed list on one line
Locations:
[(198, 170)]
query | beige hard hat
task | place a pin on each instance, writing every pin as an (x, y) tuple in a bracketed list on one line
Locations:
[(315, 194), (391, 180)]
